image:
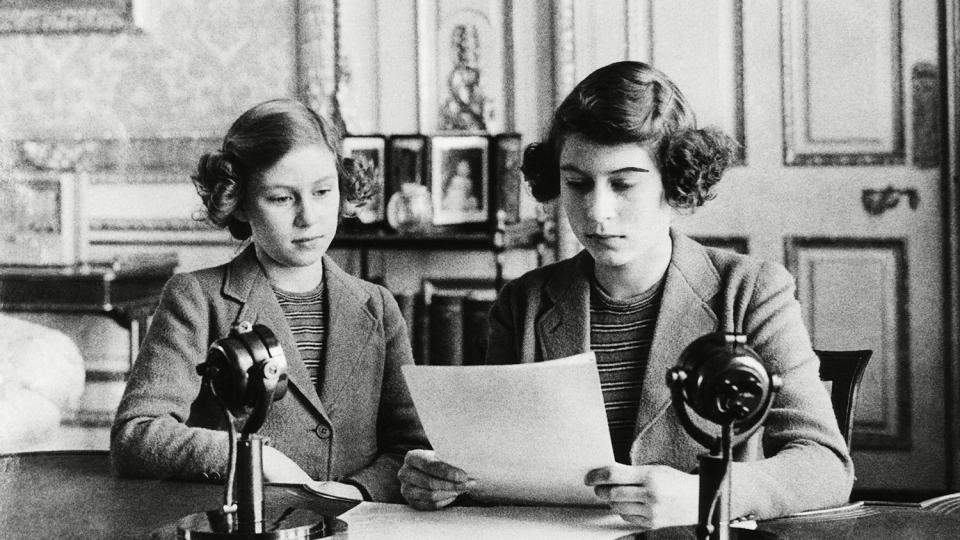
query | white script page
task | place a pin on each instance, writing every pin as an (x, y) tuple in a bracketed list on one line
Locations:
[(527, 433)]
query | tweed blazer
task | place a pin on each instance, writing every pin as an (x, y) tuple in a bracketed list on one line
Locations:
[(797, 461), (358, 428)]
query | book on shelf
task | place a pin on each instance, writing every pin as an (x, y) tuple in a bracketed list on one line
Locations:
[(446, 330), (447, 320), (476, 325)]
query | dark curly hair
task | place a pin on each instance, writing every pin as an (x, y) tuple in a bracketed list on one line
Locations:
[(632, 102), (256, 141)]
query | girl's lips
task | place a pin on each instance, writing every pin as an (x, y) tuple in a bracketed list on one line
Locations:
[(307, 241)]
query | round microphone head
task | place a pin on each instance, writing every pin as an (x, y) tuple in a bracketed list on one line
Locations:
[(244, 366), (724, 380)]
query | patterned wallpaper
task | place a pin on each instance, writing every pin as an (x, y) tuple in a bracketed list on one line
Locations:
[(188, 70)]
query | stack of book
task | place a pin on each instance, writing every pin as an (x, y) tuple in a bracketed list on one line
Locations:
[(447, 322)]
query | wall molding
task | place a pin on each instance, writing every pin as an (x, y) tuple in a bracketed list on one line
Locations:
[(800, 146), (869, 435)]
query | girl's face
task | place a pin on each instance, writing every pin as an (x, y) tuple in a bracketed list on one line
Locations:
[(614, 199), (293, 208)]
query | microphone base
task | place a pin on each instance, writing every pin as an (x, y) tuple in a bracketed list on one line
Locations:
[(293, 523)]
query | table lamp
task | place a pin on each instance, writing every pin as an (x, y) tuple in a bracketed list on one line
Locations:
[(721, 379), (246, 372)]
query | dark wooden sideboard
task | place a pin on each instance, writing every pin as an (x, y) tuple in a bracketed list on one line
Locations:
[(104, 307)]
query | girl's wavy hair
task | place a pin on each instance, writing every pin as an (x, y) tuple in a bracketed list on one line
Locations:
[(632, 102), (256, 141)]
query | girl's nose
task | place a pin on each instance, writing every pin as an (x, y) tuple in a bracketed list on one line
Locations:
[(600, 203), (308, 213)]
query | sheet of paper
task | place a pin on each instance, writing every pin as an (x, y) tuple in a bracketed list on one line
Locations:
[(526, 432), (375, 521)]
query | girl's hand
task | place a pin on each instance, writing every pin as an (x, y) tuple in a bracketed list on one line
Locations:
[(653, 496), (428, 483)]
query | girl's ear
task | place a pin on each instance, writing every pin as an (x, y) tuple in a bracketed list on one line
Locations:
[(240, 214)]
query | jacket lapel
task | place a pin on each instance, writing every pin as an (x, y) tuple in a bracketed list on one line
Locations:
[(685, 315), (564, 327), (246, 283), (351, 326)]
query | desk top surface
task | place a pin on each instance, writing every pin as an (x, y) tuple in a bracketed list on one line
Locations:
[(73, 495)]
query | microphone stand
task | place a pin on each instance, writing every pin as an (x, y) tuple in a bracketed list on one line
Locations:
[(246, 372), (723, 380), (714, 509)]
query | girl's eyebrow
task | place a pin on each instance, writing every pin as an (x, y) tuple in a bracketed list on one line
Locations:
[(282, 185), (574, 169)]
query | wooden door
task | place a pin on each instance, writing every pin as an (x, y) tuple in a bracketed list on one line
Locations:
[(836, 107)]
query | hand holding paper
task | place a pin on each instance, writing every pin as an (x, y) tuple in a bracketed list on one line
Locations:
[(526, 433)]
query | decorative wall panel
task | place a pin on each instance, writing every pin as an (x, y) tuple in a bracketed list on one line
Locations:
[(134, 111), (191, 69), (842, 87), (849, 284), (463, 62)]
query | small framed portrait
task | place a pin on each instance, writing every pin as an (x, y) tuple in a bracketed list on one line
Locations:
[(507, 157), (407, 158), (370, 151), (460, 179)]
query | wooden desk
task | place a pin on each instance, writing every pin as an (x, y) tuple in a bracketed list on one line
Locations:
[(73, 495)]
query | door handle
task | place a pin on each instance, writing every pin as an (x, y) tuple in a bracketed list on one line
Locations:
[(878, 201)]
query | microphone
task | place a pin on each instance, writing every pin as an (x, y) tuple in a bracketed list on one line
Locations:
[(723, 380), (246, 372)]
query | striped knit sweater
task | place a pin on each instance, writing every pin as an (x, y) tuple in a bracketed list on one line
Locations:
[(306, 315), (620, 335)]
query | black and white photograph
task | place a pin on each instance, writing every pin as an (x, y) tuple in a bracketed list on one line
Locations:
[(424, 269), (407, 156), (460, 178), (508, 157), (370, 153)]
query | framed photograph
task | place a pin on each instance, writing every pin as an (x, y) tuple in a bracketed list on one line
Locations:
[(460, 179), (507, 158), (407, 161), (371, 151)]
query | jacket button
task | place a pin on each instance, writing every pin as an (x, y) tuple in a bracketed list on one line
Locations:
[(323, 432)]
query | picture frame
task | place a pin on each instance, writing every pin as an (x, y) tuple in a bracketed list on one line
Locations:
[(460, 179), (507, 158), (42, 220), (372, 151), (65, 16), (407, 161)]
